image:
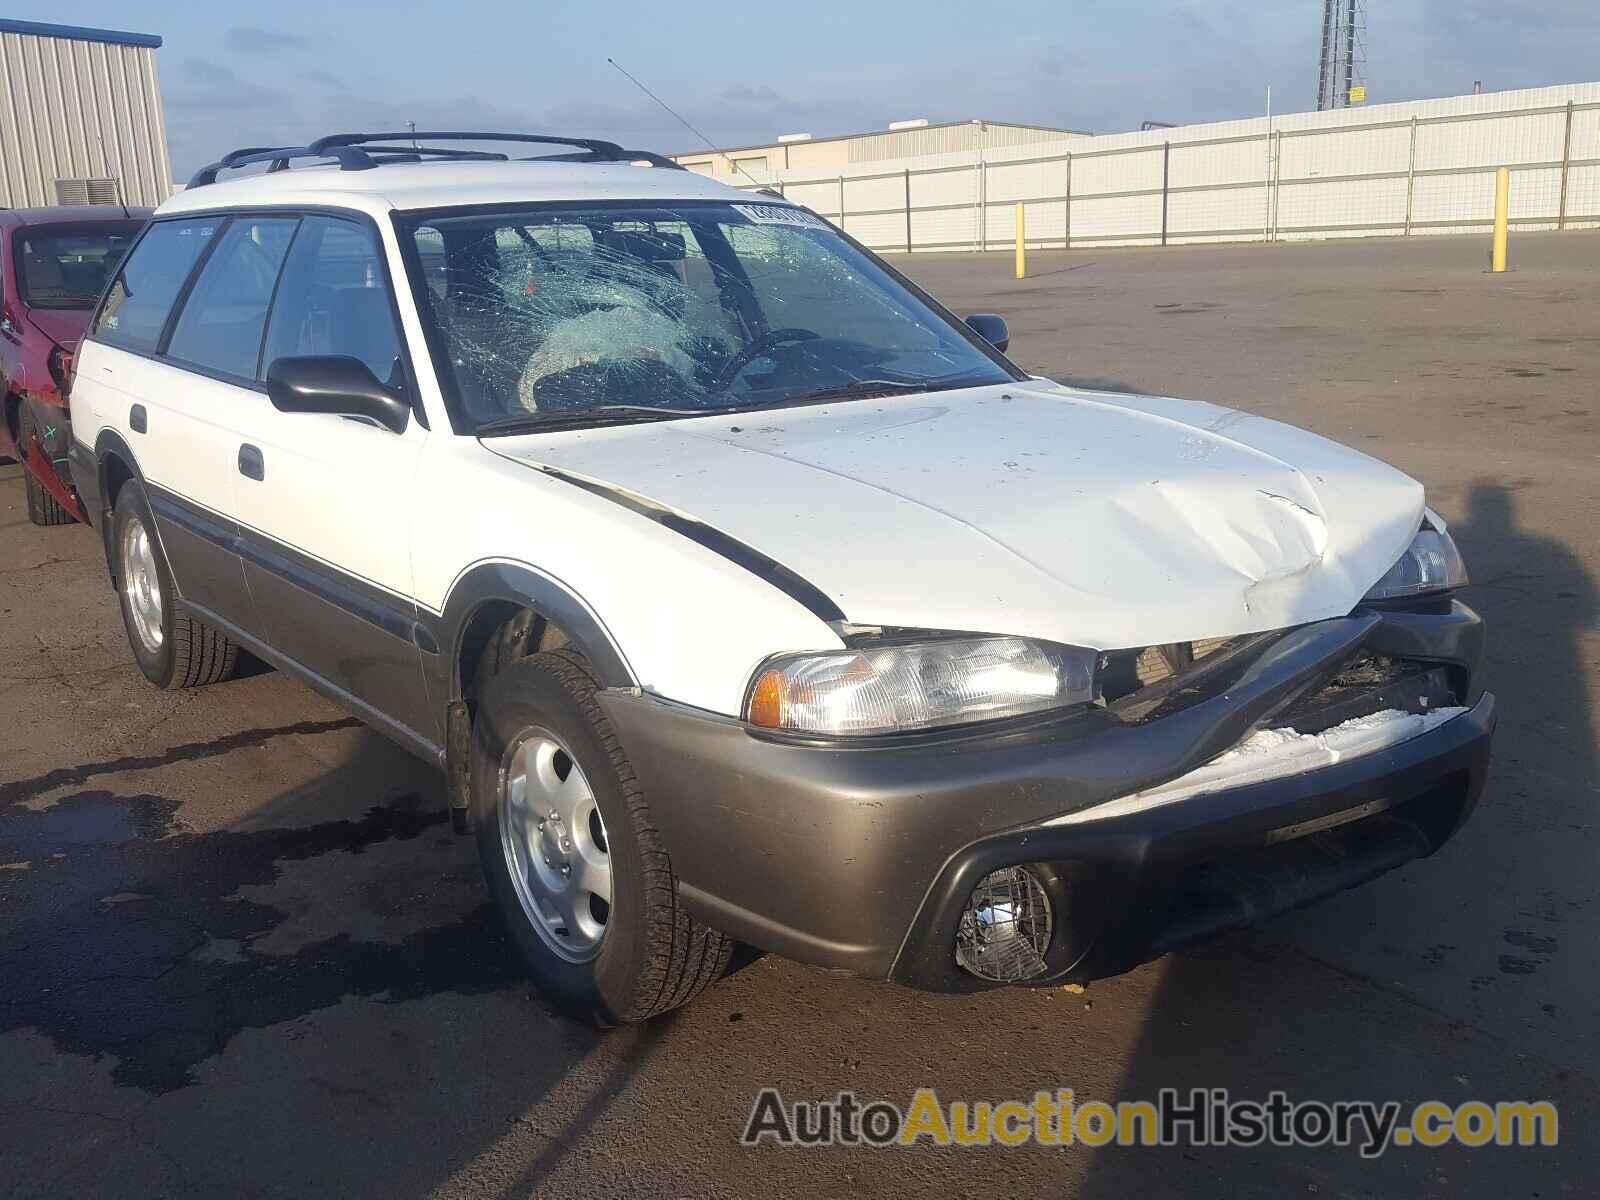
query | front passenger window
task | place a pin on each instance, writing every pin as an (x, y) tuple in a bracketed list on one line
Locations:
[(334, 299)]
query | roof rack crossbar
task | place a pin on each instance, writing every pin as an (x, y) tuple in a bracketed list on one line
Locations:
[(418, 153), (629, 156), (609, 150), (357, 151), (238, 158)]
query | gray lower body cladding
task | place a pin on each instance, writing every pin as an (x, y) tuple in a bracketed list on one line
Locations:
[(860, 858)]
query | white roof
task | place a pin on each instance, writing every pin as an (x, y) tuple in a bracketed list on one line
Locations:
[(442, 184)]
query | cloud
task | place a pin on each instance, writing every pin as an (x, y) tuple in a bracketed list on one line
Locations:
[(252, 39), (325, 79), (1056, 61), (203, 85)]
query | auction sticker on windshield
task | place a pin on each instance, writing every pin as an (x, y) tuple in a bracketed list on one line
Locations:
[(775, 214)]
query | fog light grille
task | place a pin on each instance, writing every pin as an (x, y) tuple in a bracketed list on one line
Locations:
[(1005, 928)]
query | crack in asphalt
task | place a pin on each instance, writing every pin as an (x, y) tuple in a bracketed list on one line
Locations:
[(12, 793)]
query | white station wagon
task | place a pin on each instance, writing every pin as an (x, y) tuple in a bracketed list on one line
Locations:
[(743, 593)]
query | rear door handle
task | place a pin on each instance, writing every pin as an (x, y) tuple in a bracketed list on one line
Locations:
[(137, 420), (251, 464)]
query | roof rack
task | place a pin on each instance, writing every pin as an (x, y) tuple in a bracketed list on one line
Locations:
[(357, 152)]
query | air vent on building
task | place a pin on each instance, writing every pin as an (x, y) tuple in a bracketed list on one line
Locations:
[(87, 191)]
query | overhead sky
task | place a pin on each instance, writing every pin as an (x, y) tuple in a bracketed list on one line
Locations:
[(285, 71)]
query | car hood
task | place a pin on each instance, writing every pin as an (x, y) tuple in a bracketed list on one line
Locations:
[(63, 326), (1097, 519)]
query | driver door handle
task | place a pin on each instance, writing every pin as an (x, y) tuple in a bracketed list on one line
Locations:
[(251, 464)]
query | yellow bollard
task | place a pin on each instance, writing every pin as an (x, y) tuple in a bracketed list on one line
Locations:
[(1502, 211), (1022, 249)]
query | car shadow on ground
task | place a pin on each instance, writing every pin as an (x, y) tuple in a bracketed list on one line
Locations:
[(1282, 1006), (327, 973)]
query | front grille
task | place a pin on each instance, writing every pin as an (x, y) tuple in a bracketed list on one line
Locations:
[(1367, 684), (1143, 684), (1123, 672), (1151, 682)]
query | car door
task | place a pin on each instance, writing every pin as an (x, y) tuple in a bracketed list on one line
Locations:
[(323, 500), (176, 418)]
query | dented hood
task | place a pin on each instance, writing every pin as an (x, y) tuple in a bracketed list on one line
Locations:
[(1097, 519)]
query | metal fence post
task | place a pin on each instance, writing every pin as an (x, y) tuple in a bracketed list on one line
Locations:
[(1266, 179), (908, 210), (841, 202), (1166, 165), (1566, 163), (983, 206), (1411, 175), (1277, 182), (1067, 205)]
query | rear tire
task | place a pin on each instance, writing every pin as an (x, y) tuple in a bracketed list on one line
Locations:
[(173, 650), (43, 508), (650, 955)]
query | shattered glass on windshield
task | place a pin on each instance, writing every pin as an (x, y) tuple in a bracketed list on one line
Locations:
[(562, 310)]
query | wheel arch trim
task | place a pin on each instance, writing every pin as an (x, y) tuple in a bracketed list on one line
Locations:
[(511, 582), (107, 445)]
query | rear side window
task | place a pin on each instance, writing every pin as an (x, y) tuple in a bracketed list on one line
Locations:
[(222, 321), (334, 299), (66, 266), (139, 302)]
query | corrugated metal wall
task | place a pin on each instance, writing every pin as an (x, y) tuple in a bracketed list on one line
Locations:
[(79, 109), (1396, 169)]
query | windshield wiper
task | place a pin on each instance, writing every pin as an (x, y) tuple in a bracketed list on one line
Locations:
[(866, 389), (619, 414), (601, 414)]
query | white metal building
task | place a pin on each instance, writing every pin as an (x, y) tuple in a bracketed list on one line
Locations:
[(81, 121)]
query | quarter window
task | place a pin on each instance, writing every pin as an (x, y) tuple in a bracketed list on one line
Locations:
[(139, 302), (222, 321), (334, 299)]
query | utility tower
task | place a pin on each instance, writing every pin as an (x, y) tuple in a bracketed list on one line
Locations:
[(1344, 53)]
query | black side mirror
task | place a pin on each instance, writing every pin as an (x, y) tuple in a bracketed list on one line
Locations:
[(334, 383), (991, 327)]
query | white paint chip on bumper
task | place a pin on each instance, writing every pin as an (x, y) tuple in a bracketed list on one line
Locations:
[(1276, 754)]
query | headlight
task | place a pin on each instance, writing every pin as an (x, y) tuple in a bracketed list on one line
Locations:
[(882, 689), (1430, 564)]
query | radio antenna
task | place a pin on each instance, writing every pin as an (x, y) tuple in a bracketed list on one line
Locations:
[(675, 115)]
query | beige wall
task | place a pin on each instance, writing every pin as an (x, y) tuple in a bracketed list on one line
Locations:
[(823, 155)]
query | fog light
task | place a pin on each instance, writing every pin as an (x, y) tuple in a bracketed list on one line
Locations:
[(1005, 928)]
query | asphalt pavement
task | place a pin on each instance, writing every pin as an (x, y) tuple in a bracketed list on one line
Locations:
[(241, 952)]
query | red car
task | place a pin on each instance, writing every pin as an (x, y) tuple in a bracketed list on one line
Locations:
[(54, 262)]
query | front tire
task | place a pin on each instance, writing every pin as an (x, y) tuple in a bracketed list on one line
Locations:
[(173, 650), (43, 508), (571, 853)]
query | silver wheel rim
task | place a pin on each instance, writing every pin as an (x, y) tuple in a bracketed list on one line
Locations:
[(141, 586), (555, 844)]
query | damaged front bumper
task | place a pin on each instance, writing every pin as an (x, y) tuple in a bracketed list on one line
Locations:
[(862, 857)]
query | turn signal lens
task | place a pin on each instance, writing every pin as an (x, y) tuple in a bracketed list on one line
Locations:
[(921, 685), (766, 700)]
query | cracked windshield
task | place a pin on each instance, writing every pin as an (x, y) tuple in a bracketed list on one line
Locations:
[(567, 314)]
